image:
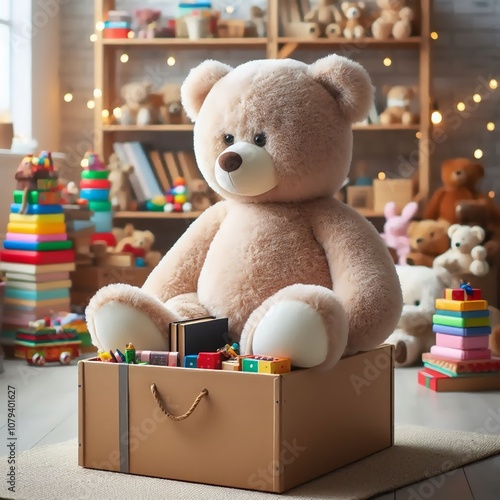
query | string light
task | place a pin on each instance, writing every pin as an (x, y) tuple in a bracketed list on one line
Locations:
[(461, 106), (387, 61), (93, 37), (381, 176), (97, 93), (418, 135), (99, 26), (130, 34), (68, 97), (229, 9), (105, 113), (493, 84), (90, 104), (434, 35), (117, 112), (476, 98), (491, 194), (124, 58), (84, 163), (171, 61), (490, 126), (478, 153)]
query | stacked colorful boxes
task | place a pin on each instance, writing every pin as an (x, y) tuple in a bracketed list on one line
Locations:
[(462, 327), (95, 188), (118, 24), (37, 255)]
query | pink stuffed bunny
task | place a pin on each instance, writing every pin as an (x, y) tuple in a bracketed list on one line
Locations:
[(395, 232)]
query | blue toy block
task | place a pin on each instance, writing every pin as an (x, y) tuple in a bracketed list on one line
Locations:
[(15, 208), (103, 222), (95, 194), (15, 293), (191, 361), (463, 332), (463, 314)]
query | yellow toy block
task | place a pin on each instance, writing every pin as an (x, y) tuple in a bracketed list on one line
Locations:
[(461, 305), (23, 228), (275, 365), (36, 219)]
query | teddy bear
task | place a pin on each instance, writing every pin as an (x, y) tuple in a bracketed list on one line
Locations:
[(120, 193), (137, 109), (466, 255), (395, 19), (398, 108), (201, 195), (353, 25), (171, 111), (428, 239), (139, 243), (297, 273), (147, 24), (421, 286), (396, 226), (327, 16)]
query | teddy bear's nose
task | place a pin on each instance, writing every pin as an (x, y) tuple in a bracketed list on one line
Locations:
[(230, 161), (457, 244), (419, 240), (458, 172)]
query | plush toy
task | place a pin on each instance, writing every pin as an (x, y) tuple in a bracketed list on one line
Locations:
[(147, 20), (258, 17), (428, 239), (395, 232), (460, 177), (171, 111), (120, 193), (327, 16), (138, 243), (395, 19), (137, 109), (466, 255), (202, 196), (399, 101), (297, 273), (413, 335), (354, 24)]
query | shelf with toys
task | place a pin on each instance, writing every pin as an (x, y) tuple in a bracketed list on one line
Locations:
[(183, 42), (130, 214)]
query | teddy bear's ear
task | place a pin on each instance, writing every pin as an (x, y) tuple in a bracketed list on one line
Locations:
[(198, 84), (478, 232), (453, 229), (128, 230), (348, 82), (386, 89)]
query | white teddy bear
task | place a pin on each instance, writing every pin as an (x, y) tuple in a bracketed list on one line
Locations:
[(466, 255)]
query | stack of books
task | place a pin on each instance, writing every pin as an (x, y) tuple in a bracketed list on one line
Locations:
[(117, 25), (461, 359)]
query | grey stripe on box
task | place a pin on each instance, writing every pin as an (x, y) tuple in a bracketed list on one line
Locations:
[(123, 415)]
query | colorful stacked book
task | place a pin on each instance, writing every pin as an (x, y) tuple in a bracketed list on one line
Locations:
[(461, 359), (95, 188), (118, 24), (37, 255)]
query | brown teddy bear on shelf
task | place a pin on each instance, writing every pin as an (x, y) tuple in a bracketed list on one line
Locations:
[(395, 19), (201, 195), (399, 102), (428, 239), (354, 13), (138, 109), (139, 243), (171, 111), (327, 16), (120, 193), (460, 177)]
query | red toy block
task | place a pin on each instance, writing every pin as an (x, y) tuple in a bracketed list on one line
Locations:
[(95, 184), (115, 32), (37, 258), (108, 238), (461, 294), (210, 360)]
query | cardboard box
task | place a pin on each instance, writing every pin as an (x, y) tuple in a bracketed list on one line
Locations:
[(360, 197), (400, 191), (284, 429)]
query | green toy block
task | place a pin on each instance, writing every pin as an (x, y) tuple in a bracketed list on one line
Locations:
[(100, 206), (38, 197), (95, 174), (250, 365), (440, 319), (32, 197)]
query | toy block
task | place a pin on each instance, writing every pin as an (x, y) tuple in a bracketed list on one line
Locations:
[(103, 222), (37, 258), (95, 174), (458, 342), (36, 219), (95, 194), (462, 294), (61, 304), (116, 259), (440, 382), (275, 365), (457, 305), (233, 365), (459, 354), (191, 361), (465, 366), (37, 247), (15, 208), (95, 184), (30, 269), (464, 332), (464, 314), (38, 197), (47, 184), (108, 238), (115, 32), (100, 206), (210, 360), (58, 293), (49, 285), (439, 319), (53, 228), (250, 364), (36, 238)]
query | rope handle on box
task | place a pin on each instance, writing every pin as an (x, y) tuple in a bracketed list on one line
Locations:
[(175, 418)]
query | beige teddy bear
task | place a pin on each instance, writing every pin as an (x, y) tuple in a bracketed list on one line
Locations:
[(327, 16), (466, 255), (395, 19), (171, 111), (137, 109), (399, 102), (138, 243), (354, 13), (120, 193)]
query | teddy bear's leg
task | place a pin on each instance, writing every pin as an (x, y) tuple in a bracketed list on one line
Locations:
[(407, 118), (407, 348), (381, 29), (305, 323), (359, 31), (348, 33), (402, 29), (479, 266), (144, 117), (187, 306)]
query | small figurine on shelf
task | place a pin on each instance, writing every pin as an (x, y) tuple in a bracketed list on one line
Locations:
[(147, 21), (327, 16), (394, 19), (120, 193), (177, 198), (137, 109), (258, 17), (399, 105), (354, 13)]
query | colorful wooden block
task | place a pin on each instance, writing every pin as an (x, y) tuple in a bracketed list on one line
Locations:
[(36, 238), (458, 342), (37, 258), (274, 365), (464, 314), (233, 365), (210, 360), (464, 332), (103, 222), (36, 219), (250, 364), (37, 247), (46, 184), (100, 206), (60, 304), (108, 238), (465, 366), (457, 305), (439, 319), (440, 382), (191, 361), (95, 184), (15, 208), (460, 354), (53, 228), (95, 174), (461, 294), (95, 194), (39, 197)]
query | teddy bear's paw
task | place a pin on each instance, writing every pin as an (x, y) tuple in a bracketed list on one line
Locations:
[(479, 268), (407, 348), (478, 253)]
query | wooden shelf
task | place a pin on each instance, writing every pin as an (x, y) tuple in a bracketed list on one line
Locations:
[(185, 42), (393, 126), (148, 128), (156, 215), (413, 41), (366, 212)]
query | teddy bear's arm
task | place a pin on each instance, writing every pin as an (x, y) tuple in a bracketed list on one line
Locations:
[(362, 271), (179, 270), (432, 210)]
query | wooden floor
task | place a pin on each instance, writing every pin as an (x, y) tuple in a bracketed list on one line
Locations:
[(47, 413)]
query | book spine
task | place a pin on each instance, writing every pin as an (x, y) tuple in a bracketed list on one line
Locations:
[(121, 152), (148, 181)]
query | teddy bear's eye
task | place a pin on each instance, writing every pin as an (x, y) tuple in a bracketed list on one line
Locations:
[(229, 139), (417, 302), (260, 140), (432, 235)]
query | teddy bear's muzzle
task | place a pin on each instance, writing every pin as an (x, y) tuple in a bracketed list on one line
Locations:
[(230, 161)]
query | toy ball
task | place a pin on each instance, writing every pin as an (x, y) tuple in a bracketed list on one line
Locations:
[(169, 207), (177, 207), (159, 200), (179, 190), (169, 198), (180, 198), (140, 262), (187, 207), (180, 181)]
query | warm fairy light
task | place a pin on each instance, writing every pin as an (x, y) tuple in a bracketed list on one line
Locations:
[(476, 98), (493, 84), (68, 97), (490, 126), (90, 104), (436, 117), (387, 61), (171, 61), (99, 26), (117, 112), (418, 135), (381, 175), (105, 113), (124, 58), (84, 163), (93, 37), (491, 194), (461, 106), (229, 9), (97, 93), (478, 153), (434, 35), (130, 34)]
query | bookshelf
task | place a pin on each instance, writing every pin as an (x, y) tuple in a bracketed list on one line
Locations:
[(106, 53)]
